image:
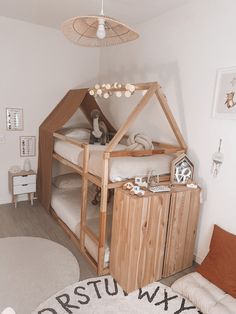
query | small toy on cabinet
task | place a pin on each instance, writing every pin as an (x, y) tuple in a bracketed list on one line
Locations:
[(140, 181), (99, 134), (133, 189), (153, 179)]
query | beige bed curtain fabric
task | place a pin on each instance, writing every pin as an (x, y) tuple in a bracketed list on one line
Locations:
[(57, 118)]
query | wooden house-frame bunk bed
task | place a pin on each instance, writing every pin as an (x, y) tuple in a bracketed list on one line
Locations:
[(48, 133)]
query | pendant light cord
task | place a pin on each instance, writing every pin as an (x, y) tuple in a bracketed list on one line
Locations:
[(102, 13)]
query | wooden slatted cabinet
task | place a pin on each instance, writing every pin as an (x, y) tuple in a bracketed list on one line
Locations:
[(138, 238), (182, 228), (152, 236)]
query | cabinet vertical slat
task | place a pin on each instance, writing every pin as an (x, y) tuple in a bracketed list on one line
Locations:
[(181, 232), (191, 228), (138, 238)]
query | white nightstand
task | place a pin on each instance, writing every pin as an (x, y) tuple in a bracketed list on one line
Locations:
[(23, 182)]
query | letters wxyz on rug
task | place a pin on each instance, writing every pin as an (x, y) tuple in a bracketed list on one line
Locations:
[(102, 295)]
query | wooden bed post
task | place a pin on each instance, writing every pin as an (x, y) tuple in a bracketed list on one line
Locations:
[(103, 214), (84, 196), (169, 116)]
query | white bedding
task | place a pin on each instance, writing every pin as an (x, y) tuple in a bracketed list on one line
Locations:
[(120, 168), (205, 295), (66, 203)]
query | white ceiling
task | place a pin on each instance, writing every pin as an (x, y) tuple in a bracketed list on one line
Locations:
[(53, 12)]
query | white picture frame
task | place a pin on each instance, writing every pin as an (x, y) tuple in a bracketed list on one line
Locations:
[(14, 119), (27, 146), (224, 85)]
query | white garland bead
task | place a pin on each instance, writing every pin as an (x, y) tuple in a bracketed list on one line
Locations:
[(119, 85), (105, 95), (127, 93), (99, 92), (131, 88), (115, 85), (127, 86), (118, 94), (97, 86), (108, 86), (91, 92)]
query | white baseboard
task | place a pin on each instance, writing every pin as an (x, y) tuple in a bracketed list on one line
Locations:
[(22, 197), (5, 201)]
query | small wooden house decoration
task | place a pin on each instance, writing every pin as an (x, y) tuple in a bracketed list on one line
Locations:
[(182, 170)]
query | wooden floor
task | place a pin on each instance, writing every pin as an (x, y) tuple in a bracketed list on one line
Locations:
[(26, 220)]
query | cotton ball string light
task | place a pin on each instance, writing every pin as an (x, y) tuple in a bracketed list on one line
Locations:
[(99, 92), (131, 88), (118, 94), (106, 90), (127, 93), (106, 95)]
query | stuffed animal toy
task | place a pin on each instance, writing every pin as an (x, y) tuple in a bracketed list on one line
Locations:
[(97, 197), (99, 134)]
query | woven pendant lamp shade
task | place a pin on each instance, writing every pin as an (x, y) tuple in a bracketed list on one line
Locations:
[(82, 31)]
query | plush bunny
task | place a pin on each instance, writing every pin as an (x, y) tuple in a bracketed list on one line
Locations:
[(99, 133), (97, 197)]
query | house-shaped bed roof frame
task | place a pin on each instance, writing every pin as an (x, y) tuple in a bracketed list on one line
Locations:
[(72, 101)]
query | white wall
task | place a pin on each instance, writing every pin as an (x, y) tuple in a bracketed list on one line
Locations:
[(37, 67), (182, 50)]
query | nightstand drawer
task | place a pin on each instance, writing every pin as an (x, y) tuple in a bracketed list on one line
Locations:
[(25, 179), (24, 188)]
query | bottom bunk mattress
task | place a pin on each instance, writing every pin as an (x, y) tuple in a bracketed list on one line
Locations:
[(67, 204), (120, 168)]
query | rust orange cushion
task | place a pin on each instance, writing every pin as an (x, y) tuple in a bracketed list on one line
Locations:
[(219, 266)]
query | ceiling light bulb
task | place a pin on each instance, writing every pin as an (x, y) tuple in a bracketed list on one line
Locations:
[(101, 33)]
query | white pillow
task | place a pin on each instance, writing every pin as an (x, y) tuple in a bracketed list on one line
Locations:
[(205, 295), (68, 181), (81, 134)]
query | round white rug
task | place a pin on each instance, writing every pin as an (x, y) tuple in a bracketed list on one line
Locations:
[(33, 269), (102, 295)]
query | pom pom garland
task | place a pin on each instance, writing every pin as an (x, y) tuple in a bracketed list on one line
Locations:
[(104, 90)]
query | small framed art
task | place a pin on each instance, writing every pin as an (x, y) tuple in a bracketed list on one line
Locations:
[(181, 170), (27, 146), (14, 118), (224, 103)]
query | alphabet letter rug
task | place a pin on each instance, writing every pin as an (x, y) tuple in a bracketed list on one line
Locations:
[(102, 295)]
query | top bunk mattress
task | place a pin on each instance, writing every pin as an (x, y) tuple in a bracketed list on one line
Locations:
[(120, 168)]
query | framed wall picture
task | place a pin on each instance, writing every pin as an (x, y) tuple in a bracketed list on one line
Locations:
[(224, 102), (14, 119), (181, 170), (27, 146)]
